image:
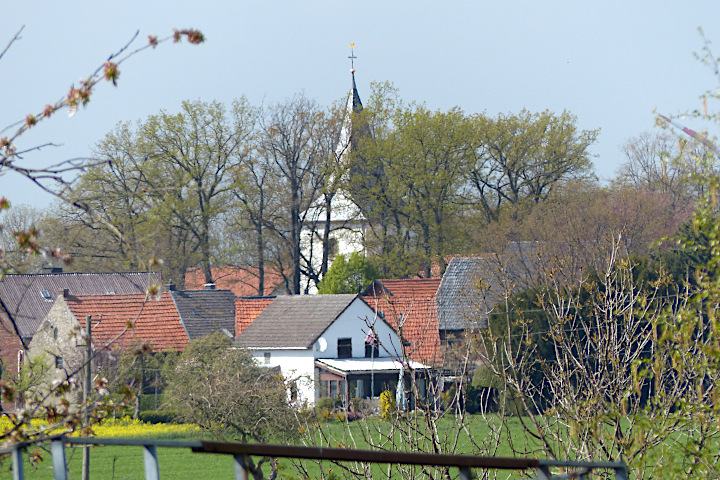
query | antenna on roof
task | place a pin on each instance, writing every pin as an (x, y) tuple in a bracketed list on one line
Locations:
[(352, 57)]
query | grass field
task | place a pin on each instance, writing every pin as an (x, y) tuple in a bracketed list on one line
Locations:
[(114, 462)]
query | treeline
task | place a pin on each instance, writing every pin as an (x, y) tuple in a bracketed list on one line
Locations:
[(216, 185)]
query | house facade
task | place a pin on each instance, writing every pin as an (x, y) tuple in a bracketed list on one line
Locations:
[(329, 345)]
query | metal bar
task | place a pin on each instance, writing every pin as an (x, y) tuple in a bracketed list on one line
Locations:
[(240, 470), (152, 469), (132, 442), (57, 448), (465, 473), (350, 455), (571, 463), (18, 466)]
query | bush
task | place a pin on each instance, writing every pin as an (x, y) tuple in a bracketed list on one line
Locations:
[(387, 405), (160, 416), (324, 408)]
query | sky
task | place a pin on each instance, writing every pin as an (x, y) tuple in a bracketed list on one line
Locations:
[(613, 64)]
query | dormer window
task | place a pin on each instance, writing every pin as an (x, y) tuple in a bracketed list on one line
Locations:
[(46, 295)]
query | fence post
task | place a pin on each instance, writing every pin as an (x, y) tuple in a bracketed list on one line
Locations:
[(57, 448), (621, 473), (17, 463), (465, 473), (543, 473), (240, 470), (152, 469)]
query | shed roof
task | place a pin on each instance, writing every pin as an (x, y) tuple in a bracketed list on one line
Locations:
[(205, 311), (129, 319), (294, 321), (27, 298)]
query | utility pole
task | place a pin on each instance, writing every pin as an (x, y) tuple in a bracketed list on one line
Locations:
[(86, 395)]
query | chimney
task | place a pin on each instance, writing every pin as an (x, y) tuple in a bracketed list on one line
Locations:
[(171, 286), (209, 286), (65, 292)]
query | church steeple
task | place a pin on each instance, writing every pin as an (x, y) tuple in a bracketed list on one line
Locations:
[(356, 104)]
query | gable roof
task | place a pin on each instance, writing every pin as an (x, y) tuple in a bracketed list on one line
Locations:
[(27, 299), (294, 321), (472, 286), (412, 302), (130, 319), (243, 281), (203, 312), (247, 310), (469, 289), (419, 326)]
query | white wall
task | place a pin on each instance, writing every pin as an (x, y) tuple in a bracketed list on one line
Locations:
[(354, 323), (298, 365)]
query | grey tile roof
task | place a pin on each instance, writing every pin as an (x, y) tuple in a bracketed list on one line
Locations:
[(294, 321), (205, 311), (471, 287), (24, 297)]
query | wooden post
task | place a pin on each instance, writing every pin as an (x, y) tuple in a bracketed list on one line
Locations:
[(86, 394)]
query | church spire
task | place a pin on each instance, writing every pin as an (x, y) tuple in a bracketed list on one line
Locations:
[(356, 103)]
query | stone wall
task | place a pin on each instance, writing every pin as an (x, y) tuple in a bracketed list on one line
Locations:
[(59, 343)]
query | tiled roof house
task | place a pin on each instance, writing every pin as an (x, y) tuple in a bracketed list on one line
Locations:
[(118, 322), (25, 300), (325, 344)]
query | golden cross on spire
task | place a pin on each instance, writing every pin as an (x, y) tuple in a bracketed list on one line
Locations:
[(352, 57)]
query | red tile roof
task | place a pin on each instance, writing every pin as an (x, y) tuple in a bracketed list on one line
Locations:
[(131, 319), (413, 301), (408, 287), (247, 309), (243, 281)]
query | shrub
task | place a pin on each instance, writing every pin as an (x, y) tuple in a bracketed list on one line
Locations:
[(160, 416), (387, 405)]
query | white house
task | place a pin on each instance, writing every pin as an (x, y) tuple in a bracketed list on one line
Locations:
[(330, 345)]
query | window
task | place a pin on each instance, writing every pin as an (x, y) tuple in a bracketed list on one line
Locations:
[(344, 346), (372, 350), (267, 358), (293, 391), (58, 362), (46, 295)]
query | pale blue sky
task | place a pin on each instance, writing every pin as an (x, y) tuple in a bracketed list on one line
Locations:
[(611, 63)]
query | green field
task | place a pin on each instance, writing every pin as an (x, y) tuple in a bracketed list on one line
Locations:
[(115, 462)]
